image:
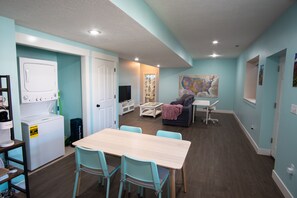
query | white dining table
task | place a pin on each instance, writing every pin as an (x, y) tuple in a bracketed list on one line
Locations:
[(200, 103), (165, 152)]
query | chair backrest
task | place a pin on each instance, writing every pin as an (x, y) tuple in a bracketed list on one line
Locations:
[(131, 129), (92, 159), (169, 134), (140, 170), (212, 106)]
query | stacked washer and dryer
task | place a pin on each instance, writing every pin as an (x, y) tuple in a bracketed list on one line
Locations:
[(42, 128)]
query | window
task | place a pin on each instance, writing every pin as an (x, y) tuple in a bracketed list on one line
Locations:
[(251, 74)]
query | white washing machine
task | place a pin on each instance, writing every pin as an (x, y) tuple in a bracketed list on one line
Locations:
[(44, 137)]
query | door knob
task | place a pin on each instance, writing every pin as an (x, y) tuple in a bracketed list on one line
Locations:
[(98, 105)]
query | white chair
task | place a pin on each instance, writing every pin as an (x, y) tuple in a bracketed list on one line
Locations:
[(209, 109)]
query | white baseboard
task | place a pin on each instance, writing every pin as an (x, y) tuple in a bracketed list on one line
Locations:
[(259, 151), (281, 185)]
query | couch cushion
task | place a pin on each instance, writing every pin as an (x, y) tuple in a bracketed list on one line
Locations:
[(188, 100), (179, 101)]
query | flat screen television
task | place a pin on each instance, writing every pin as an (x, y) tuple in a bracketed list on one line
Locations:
[(124, 93)]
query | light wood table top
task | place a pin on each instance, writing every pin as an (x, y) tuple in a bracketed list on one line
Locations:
[(166, 152)]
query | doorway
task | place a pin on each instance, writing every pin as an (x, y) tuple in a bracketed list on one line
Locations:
[(149, 88), (104, 96), (274, 75)]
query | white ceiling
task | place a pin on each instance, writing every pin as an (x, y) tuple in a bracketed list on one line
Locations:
[(195, 23)]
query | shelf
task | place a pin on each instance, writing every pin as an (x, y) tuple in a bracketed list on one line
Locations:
[(12, 175), (4, 151), (17, 143)]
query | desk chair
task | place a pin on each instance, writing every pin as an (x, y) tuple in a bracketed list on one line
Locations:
[(209, 109), (131, 129), (178, 136), (93, 162), (143, 174)]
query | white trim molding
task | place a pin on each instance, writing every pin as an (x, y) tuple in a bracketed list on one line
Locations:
[(42, 43), (259, 151), (104, 57), (281, 185)]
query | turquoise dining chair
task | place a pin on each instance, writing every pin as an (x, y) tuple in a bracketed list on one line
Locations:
[(93, 162), (178, 136), (143, 174), (131, 129)]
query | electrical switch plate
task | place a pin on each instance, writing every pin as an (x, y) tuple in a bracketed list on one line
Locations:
[(294, 109)]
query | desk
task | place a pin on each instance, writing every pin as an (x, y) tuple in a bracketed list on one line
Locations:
[(166, 152), (202, 103)]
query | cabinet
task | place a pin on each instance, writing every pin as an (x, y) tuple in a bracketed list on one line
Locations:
[(24, 171), (6, 108), (126, 106)]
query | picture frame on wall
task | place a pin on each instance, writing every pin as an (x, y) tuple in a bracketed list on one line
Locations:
[(206, 86), (261, 73), (295, 72)]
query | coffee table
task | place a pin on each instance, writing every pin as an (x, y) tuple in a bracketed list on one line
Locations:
[(151, 109)]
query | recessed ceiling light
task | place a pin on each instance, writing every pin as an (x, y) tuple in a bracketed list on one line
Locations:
[(94, 32), (214, 55), (215, 42), (136, 59), (158, 65)]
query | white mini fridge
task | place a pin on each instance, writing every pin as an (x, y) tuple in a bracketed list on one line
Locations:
[(44, 137)]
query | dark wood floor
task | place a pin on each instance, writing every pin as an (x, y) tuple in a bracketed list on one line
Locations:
[(220, 163)]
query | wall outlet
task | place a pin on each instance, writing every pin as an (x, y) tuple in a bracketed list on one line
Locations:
[(291, 169), (294, 109)]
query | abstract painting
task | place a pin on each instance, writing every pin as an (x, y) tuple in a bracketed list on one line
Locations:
[(295, 72), (199, 85)]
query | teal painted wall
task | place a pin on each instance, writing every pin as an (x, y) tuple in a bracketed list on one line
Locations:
[(146, 17), (69, 74), (35, 53), (8, 66), (224, 68), (281, 35)]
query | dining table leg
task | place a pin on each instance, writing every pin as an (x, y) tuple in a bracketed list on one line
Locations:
[(194, 111), (206, 120), (172, 183), (184, 177)]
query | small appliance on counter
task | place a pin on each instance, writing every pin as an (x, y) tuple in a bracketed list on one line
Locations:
[(5, 126)]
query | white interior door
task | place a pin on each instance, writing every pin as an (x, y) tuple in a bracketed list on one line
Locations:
[(104, 101), (278, 102)]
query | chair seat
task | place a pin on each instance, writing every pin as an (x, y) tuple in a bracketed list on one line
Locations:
[(163, 174), (111, 169)]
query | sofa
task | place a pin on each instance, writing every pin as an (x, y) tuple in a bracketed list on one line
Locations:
[(185, 118)]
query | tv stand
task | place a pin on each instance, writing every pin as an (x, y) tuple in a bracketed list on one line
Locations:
[(126, 106)]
